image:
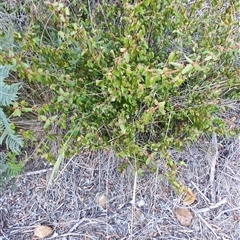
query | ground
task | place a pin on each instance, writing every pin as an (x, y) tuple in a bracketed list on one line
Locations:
[(90, 199)]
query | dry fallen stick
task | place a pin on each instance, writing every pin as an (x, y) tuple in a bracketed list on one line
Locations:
[(208, 225), (228, 210), (213, 160), (133, 204), (35, 172), (216, 205), (200, 192)]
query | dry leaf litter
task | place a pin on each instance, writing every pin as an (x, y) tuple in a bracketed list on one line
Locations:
[(43, 231), (90, 199)]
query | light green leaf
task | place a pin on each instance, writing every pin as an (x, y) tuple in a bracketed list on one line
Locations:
[(187, 69), (123, 130), (17, 113), (178, 80), (61, 34), (208, 58), (43, 118), (126, 56), (188, 59), (146, 117), (60, 98), (161, 106), (67, 11), (26, 109), (177, 65), (172, 56), (197, 67)]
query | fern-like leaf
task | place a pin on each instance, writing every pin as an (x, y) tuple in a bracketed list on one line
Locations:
[(8, 93), (3, 166), (14, 168), (4, 71), (7, 40), (4, 124), (13, 142)]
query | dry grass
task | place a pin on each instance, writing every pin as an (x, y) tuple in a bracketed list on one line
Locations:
[(137, 207)]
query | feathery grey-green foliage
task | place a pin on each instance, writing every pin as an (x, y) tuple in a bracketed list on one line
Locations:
[(8, 94)]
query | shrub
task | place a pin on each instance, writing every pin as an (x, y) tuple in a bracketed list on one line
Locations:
[(136, 78)]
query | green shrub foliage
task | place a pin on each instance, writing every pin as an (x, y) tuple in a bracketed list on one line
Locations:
[(137, 78)]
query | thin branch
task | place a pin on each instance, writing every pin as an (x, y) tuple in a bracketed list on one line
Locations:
[(208, 225), (213, 161), (35, 172), (228, 210), (216, 205), (133, 202)]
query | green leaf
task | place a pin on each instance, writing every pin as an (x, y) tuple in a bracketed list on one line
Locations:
[(146, 2), (67, 12), (43, 118), (61, 34), (146, 117), (177, 65), (123, 129), (171, 57), (161, 107), (178, 80), (188, 59), (26, 109), (148, 161), (17, 113), (197, 67), (60, 99), (187, 69), (126, 57)]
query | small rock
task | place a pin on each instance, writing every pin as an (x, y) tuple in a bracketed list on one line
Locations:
[(43, 231)]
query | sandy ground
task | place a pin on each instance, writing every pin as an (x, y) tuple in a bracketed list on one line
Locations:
[(90, 199)]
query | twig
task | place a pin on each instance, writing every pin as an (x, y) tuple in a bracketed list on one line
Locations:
[(133, 202), (228, 210), (216, 205), (35, 172), (235, 178), (107, 191), (200, 192), (76, 225), (213, 161), (207, 224)]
